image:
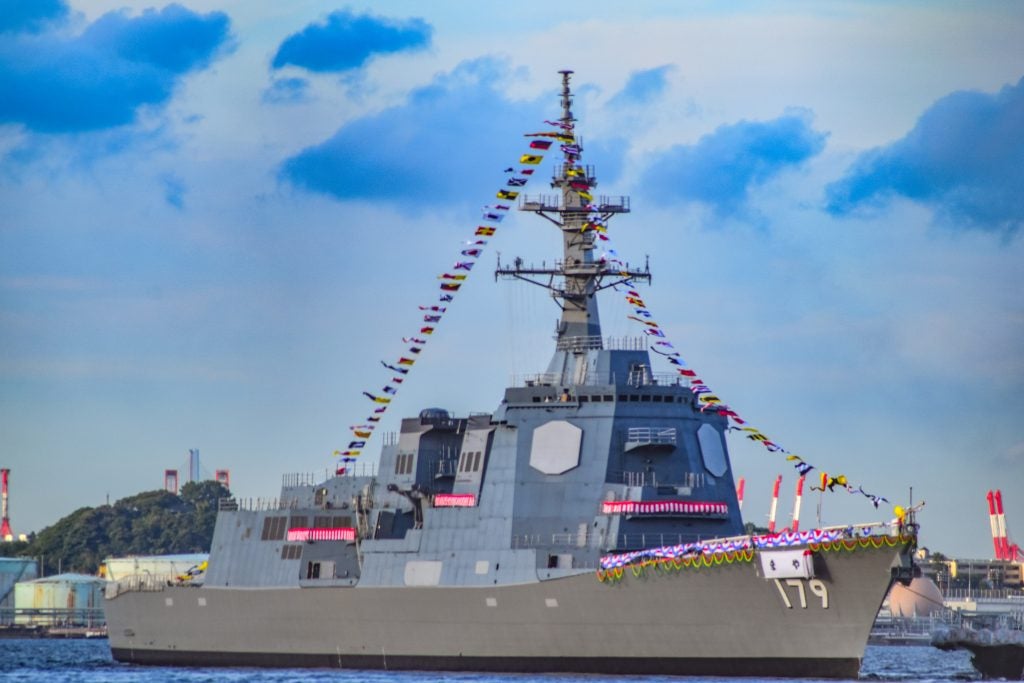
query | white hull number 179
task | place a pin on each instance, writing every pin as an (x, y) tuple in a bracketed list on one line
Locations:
[(815, 586)]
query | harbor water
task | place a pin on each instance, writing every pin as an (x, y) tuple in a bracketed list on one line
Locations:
[(89, 661)]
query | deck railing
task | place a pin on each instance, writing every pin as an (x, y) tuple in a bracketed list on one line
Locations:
[(691, 480), (138, 583), (357, 469), (656, 436)]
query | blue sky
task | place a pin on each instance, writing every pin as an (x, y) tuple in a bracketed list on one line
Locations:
[(216, 217)]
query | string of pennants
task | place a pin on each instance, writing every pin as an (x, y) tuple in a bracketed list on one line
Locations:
[(727, 551), (707, 399), (782, 540), (433, 310), (471, 250)]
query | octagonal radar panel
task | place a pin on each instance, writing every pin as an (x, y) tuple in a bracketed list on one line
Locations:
[(556, 447), (712, 450)]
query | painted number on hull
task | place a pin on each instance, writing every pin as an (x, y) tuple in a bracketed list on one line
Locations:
[(815, 586)]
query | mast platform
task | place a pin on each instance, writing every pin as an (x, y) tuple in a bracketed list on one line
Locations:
[(554, 204)]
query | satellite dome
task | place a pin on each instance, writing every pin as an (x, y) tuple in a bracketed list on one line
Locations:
[(434, 414), (921, 598)]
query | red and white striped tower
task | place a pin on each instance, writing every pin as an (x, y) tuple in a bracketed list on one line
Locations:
[(1011, 551), (171, 481), (1004, 542), (796, 502), (5, 524), (993, 523), (775, 505), (739, 491)]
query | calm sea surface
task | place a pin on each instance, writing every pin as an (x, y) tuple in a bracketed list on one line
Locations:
[(88, 661)]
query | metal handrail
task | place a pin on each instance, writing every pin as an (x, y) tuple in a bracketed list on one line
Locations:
[(652, 435), (641, 478), (590, 342), (644, 378), (138, 583), (446, 467), (298, 479)]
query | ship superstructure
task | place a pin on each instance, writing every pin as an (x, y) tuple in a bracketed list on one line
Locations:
[(588, 523)]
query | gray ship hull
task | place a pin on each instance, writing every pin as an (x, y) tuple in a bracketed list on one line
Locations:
[(725, 619)]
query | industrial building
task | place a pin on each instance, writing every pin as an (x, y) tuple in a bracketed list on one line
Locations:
[(60, 600), (13, 570)]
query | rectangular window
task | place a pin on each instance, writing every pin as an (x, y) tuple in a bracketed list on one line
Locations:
[(584, 399), (609, 397), (403, 463), (274, 528), (476, 461), (634, 398), (658, 399), (645, 398), (298, 521)]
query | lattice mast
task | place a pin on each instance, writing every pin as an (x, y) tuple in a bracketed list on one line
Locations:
[(580, 217)]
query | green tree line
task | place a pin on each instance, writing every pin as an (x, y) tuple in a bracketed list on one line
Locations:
[(148, 523)]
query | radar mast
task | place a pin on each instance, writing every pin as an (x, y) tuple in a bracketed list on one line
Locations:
[(582, 218)]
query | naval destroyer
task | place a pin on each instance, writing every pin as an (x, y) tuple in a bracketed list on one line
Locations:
[(590, 523)]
